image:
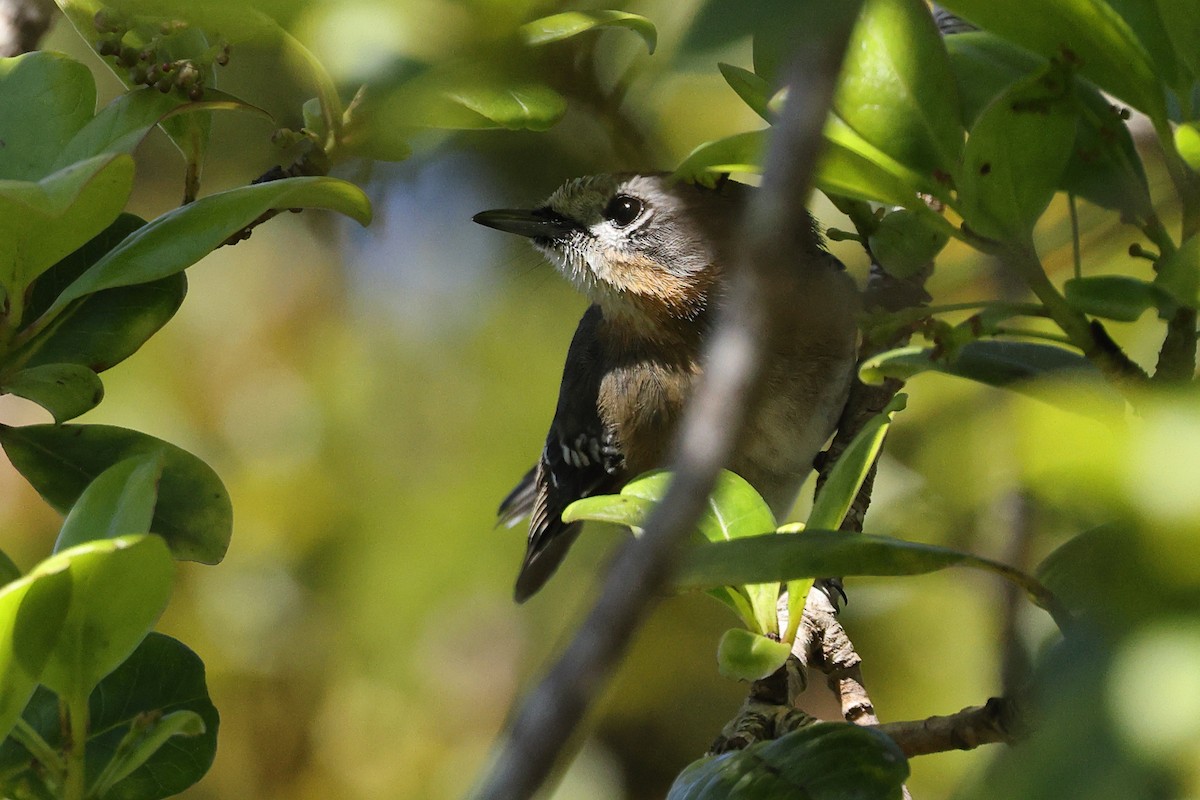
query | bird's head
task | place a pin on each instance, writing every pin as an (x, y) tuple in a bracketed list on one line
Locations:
[(640, 246)]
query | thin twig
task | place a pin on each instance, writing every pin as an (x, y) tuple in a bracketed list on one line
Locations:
[(713, 421)]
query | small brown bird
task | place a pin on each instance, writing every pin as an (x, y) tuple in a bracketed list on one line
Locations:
[(650, 254)]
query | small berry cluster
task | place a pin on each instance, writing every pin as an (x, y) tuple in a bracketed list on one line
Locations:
[(147, 66)]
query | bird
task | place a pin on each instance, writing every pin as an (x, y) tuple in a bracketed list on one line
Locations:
[(651, 253)]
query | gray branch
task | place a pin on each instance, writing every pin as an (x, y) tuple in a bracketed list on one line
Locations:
[(714, 419), (23, 23)]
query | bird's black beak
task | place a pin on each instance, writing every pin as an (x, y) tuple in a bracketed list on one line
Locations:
[(540, 223)]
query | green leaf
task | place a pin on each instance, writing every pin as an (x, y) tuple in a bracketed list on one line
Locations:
[(994, 362), (747, 656), (1014, 157), (181, 695), (848, 474), (837, 131), (458, 99), (119, 587), (65, 390), (118, 502), (32, 611), (904, 243), (41, 223), (741, 152), (1090, 574), (754, 91), (45, 98), (897, 91), (843, 172), (733, 510), (1083, 32), (1183, 28), (1116, 297), (1179, 273), (162, 683), (823, 761), (613, 508), (834, 499), (180, 238), (1104, 166), (1147, 23), (557, 27), (123, 124), (1187, 142), (104, 328), (193, 512), (816, 553), (142, 743)]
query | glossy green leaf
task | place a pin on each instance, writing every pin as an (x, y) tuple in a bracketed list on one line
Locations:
[(119, 587), (1104, 167), (65, 390), (904, 243), (118, 502), (1015, 155), (994, 362), (162, 679), (754, 91), (897, 91), (1187, 142), (1179, 273), (838, 132), (45, 98), (835, 497), (741, 152), (180, 238), (817, 553), (733, 510), (104, 328), (121, 125), (557, 27), (1116, 297), (43, 222), (848, 474), (823, 761), (1087, 33), (613, 508), (140, 745), (746, 656), (1182, 26), (848, 174), (32, 611), (1150, 29), (193, 512)]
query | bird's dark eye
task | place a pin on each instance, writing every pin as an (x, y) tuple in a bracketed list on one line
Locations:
[(622, 210)]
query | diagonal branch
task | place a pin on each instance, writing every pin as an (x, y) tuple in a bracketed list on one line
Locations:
[(23, 23), (714, 419)]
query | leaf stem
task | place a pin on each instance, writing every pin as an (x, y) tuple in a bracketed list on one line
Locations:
[(40, 749), (76, 710), (1088, 336), (1076, 258)]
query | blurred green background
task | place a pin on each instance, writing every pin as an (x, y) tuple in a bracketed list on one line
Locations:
[(368, 396)]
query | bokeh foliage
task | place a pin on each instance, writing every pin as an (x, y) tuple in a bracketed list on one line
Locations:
[(367, 397)]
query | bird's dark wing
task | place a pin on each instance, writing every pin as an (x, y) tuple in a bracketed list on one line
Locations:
[(580, 459)]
